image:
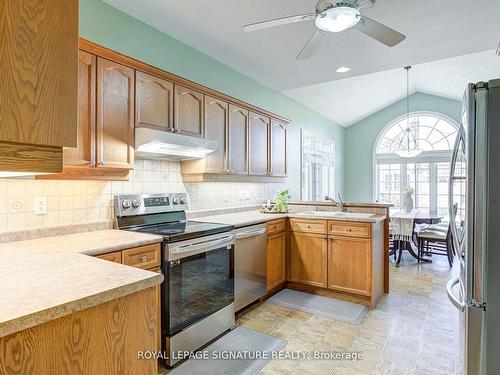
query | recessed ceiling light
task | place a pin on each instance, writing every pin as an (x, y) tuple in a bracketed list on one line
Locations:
[(342, 69)]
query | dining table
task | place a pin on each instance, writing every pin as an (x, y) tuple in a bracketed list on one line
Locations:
[(409, 242)]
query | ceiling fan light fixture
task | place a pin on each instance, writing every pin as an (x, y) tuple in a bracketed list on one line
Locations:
[(338, 19)]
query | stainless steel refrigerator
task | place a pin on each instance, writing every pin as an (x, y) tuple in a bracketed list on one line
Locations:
[(474, 201)]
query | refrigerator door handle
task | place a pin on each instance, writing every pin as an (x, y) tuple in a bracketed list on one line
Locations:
[(452, 207), (460, 305)]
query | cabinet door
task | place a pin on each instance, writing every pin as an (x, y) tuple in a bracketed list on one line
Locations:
[(84, 153), (349, 265), (308, 259), (154, 101), (188, 115), (115, 115), (278, 152), (258, 150), (238, 140), (39, 72), (216, 123), (276, 260)]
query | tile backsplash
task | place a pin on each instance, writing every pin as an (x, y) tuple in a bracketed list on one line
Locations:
[(78, 202)]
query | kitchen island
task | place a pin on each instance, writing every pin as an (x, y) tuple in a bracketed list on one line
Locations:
[(63, 311)]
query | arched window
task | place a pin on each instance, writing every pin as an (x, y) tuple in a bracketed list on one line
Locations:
[(426, 173)]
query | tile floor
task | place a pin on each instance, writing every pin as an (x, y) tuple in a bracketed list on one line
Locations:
[(411, 331)]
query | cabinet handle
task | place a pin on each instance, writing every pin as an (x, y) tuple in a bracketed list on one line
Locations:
[(308, 226), (144, 258), (349, 229)]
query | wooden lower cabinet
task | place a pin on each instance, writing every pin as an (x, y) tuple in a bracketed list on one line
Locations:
[(309, 259), (104, 339), (276, 260), (146, 257), (349, 265)]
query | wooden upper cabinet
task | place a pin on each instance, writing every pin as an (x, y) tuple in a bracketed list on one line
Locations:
[(278, 152), (349, 265), (308, 259), (39, 72), (84, 153), (154, 102), (258, 144), (238, 140), (115, 115), (188, 114), (216, 124)]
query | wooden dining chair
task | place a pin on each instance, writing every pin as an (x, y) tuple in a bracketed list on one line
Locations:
[(436, 240)]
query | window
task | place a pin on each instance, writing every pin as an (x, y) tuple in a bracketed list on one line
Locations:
[(426, 173), (318, 167)]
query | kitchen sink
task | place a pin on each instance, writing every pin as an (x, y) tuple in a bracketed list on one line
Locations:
[(334, 214)]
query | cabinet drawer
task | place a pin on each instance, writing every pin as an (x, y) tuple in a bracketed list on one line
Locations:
[(142, 257), (112, 257), (276, 226), (310, 226), (349, 228)]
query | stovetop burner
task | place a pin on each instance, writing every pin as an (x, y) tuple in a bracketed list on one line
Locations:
[(183, 230), (163, 215)]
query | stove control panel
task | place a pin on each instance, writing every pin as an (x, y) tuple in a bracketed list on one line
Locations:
[(141, 204)]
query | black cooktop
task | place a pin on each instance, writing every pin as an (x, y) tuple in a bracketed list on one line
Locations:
[(183, 230)]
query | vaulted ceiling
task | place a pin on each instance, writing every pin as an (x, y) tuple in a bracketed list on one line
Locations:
[(435, 30), (349, 100)]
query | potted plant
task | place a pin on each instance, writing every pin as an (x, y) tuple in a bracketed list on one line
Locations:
[(281, 201), (408, 199)]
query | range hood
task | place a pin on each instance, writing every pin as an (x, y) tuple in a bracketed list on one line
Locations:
[(158, 144)]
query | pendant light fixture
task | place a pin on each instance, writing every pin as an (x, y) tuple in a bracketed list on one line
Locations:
[(408, 147)]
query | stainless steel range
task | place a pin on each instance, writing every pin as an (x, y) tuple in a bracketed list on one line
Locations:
[(198, 265)]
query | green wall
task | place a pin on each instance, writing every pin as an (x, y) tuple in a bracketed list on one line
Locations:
[(112, 28), (361, 137)]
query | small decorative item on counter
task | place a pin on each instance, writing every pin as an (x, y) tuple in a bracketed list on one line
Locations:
[(268, 207), (281, 201), (408, 199)]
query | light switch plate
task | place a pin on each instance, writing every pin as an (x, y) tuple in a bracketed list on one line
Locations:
[(40, 205)]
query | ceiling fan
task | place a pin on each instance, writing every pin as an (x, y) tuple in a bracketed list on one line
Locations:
[(335, 16)]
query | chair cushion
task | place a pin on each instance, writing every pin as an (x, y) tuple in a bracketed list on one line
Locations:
[(432, 234)]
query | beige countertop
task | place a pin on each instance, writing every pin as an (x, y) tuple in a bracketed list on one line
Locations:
[(244, 218), (47, 278)]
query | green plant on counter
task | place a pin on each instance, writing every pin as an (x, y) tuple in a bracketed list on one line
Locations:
[(281, 200)]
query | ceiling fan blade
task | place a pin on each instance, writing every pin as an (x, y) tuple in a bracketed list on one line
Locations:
[(379, 32), (311, 45), (279, 22)]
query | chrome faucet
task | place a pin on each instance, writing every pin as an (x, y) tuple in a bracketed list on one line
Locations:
[(339, 203)]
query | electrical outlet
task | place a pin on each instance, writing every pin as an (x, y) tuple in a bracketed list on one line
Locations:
[(40, 205)]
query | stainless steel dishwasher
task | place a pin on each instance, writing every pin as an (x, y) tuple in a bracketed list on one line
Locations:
[(249, 265)]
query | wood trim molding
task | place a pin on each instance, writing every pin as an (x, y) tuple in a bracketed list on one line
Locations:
[(18, 157), (120, 58)]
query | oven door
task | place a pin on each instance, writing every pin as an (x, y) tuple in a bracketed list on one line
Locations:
[(199, 280)]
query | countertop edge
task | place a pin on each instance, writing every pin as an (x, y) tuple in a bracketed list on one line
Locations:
[(43, 316), (110, 249), (272, 217)]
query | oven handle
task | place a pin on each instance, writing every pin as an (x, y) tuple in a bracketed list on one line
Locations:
[(204, 246), (250, 233)]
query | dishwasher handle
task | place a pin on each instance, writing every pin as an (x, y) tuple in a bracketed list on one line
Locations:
[(250, 233)]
